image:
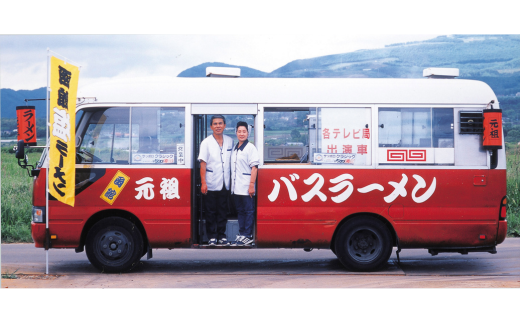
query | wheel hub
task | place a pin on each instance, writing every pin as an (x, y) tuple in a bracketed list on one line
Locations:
[(114, 245), (363, 245)]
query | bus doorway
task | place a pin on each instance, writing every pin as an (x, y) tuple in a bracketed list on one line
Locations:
[(201, 131)]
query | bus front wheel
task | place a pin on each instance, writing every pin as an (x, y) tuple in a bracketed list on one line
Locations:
[(114, 245), (363, 244)]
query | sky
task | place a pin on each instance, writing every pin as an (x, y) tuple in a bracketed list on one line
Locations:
[(24, 65)]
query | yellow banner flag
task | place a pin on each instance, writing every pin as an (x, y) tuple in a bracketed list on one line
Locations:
[(62, 150)]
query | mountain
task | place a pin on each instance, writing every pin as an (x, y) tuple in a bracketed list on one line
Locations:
[(493, 59), (10, 99)]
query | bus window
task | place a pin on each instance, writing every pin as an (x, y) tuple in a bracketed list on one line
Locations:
[(286, 135), (443, 128), (405, 128), (103, 141), (344, 136), (157, 135), (416, 136)]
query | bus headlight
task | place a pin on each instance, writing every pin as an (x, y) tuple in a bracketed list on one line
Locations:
[(38, 214)]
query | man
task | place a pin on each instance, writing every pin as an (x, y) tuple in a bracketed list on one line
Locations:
[(215, 158)]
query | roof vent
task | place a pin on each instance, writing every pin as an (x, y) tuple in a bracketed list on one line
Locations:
[(440, 73), (222, 71)]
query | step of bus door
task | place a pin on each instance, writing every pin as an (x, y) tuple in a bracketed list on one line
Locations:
[(207, 246)]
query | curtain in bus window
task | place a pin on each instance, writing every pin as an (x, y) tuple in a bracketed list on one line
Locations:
[(106, 139), (158, 135), (416, 136), (344, 136), (405, 127)]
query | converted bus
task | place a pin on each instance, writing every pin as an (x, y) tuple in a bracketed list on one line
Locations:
[(353, 165)]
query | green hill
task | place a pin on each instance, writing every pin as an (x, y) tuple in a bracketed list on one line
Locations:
[(10, 99)]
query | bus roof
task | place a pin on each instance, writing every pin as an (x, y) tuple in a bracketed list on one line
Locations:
[(291, 91)]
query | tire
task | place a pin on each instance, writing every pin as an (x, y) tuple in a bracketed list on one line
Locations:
[(114, 245), (363, 244)]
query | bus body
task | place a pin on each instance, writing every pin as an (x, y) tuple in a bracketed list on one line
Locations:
[(352, 165)]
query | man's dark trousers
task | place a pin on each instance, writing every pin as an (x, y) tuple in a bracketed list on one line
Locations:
[(216, 213)]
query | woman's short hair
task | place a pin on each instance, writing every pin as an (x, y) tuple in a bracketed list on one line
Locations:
[(242, 124)]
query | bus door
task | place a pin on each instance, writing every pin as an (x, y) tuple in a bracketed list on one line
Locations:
[(202, 114)]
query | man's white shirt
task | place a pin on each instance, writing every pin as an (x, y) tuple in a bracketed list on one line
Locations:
[(243, 160), (217, 161)]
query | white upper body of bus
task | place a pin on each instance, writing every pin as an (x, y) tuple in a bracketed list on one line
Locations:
[(291, 91)]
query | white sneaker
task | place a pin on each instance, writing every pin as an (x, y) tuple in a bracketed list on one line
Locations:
[(244, 241), (238, 239), (223, 242)]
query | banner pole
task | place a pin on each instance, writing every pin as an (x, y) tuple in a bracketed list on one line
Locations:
[(47, 168)]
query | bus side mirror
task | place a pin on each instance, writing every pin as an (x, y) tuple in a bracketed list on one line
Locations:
[(20, 152), (22, 159)]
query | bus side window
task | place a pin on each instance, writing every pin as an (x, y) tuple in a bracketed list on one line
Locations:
[(390, 128), (286, 135), (416, 136), (344, 136), (405, 127), (158, 135), (103, 141), (443, 128)]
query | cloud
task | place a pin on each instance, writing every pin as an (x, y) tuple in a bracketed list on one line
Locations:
[(23, 61)]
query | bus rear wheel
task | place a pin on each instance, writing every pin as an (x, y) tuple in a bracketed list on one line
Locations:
[(363, 244), (114, 245)]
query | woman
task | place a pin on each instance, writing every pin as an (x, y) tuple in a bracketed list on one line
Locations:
[(244, 167)]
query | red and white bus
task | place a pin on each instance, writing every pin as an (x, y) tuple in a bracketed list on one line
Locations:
[(356, 166)]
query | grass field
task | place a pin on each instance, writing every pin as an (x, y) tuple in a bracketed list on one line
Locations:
[(16, 199), (17, 194), (513, 192)]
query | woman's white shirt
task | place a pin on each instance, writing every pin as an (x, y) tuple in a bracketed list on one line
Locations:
[(243, 159)]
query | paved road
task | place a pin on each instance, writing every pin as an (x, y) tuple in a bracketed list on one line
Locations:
[(285, 268)]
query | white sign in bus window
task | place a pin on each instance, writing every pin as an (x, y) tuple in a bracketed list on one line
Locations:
[(344, 136), (153, 158), (180, 154), (348, 159)]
